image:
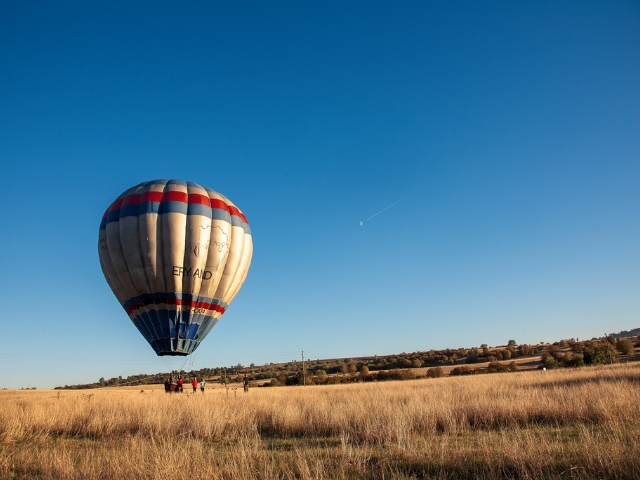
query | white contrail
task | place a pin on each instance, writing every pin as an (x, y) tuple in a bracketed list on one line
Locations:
[(387, 208)]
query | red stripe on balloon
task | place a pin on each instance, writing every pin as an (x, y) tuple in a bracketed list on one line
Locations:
[(178, 302), (174, 196), (115, 205), (219, 204), (132, 199), (237, 213), (199, 199), (151, 197)]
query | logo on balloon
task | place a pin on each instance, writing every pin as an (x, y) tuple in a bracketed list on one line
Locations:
[(208, 235)]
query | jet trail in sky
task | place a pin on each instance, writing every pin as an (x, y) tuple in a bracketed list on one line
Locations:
[(387, 208)]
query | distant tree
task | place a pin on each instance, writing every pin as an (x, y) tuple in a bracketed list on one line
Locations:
[(463, 370), (512, 342), (484, 346), (603, 354), (497, 367), (404, 362), (353, 368), (435, 372), (625, 347), (575, 360), (416, 363), (344, 368), (549, 362)]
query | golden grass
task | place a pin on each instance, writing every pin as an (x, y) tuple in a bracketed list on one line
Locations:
[(565, 424)]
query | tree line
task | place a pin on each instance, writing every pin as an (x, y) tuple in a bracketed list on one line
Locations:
[(563, 354)]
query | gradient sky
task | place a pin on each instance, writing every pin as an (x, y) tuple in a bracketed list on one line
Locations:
[(516, 124)]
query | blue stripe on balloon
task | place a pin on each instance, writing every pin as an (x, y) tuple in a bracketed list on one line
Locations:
[(166, 346), (237, 222), (129, 211), (173, 207), (148, 207), (199, 209), (184, 331), (113, 216), (150, 299), (220, 214)]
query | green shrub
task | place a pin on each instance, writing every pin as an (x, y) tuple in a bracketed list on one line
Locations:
[(602, 354), (549, 363), (576, 360), (463, 370), (625, 347)]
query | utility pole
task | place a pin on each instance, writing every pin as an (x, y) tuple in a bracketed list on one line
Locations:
[(304, 380)]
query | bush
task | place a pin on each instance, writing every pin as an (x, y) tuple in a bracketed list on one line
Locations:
[(436, 372), (576, 360), (463, 370), (603, 354), (497, 367), (625, 347), (397, 374), (549, 363)]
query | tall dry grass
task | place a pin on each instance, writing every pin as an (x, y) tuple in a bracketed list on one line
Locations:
[(566, 424)]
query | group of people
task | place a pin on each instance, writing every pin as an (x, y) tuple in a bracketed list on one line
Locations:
[(173, 385)]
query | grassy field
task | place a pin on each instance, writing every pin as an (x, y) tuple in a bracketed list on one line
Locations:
[(582, 423)]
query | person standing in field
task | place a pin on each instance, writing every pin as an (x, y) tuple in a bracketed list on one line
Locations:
[(167, 388), (203, 384), (194, 384), (180, 383), (245, 383)]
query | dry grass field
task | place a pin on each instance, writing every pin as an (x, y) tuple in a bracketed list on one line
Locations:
[(582, 423)]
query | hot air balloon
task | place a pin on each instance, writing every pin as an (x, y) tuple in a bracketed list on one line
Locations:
[(175, 255)]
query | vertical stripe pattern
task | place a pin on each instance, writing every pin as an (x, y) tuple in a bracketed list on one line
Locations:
[(175, 255)]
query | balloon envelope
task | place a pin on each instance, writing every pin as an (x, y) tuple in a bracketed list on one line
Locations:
[(175, 255)]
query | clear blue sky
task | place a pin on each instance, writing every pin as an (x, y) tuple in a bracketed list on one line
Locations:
[(517, 123)]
